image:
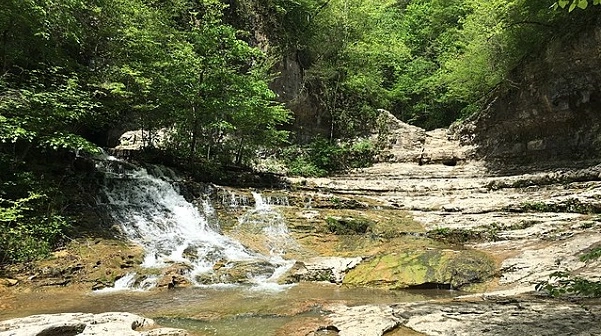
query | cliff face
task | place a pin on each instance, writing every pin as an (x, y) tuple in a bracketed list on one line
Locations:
[(549, 111), (289, 85), (268, 32)]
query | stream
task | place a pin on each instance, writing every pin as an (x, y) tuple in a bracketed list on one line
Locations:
[(367, 253), (153, 214), (226, 311)]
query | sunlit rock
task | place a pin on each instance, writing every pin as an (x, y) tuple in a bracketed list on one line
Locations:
[(438, 268), (240, 272), (83, 324), (329, 269)]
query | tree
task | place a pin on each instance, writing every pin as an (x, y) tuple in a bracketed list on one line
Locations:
[(582, 4), (71, 69), (216, 87)]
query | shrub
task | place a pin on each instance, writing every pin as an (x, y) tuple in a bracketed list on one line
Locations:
[(25, 233), (321, 157), (562, 283)]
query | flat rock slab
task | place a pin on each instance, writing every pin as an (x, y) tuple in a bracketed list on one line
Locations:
[(83, 324), (369, 320), (535, 261), (500, 318)]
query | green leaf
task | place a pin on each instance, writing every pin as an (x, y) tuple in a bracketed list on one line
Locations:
[(582, 4), (572, 6)]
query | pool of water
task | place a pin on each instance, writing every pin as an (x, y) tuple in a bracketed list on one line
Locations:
[(225, 311)]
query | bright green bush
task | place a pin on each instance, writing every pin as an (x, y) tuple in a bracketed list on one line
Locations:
[(321, 157)]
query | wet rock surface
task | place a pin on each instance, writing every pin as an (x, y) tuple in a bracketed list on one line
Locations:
[(428, 269), (91, 263), (177, 275), (362, 320), (329, 269), (241, 272), (531, 221), (534, 229), (423, 217)]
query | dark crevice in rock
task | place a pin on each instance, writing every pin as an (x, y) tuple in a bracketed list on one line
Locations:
[(328, 330), (431, 285), (66, 330)]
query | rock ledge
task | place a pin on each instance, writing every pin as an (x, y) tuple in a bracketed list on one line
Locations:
[(84, 324)]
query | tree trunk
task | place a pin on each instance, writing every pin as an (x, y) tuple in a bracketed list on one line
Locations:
[(239, 152), (3, 52), (194, 135)]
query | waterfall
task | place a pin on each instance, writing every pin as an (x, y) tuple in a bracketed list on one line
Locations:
[(263, 220), (268, 225), (170, 229), (233, 201)]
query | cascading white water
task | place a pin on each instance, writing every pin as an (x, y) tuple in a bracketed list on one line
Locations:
[(234, 201), (153, 214), (170, 228), (264, 220)]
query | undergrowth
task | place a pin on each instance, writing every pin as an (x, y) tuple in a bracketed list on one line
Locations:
[(321, 157), (563, 283)]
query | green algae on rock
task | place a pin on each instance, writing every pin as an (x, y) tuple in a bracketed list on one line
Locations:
[(454, 269)]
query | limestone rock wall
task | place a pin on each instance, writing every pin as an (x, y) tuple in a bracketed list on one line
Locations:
[(401, 142), (289, 85), (549, 109)]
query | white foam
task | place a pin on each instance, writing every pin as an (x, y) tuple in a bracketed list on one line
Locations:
[(172, 230)]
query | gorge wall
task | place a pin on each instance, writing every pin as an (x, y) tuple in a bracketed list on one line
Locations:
[(548, 110)]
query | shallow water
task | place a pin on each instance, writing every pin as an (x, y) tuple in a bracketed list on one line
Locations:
[(226, 311)]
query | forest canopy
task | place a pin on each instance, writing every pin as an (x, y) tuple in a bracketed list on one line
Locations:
[(71, 68), (430, 62)]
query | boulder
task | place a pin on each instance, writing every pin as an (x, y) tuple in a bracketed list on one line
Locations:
[(401, 142), (369, 320), (330, 269), (240, 272), (423, 269), (8, 282), (175, 275)]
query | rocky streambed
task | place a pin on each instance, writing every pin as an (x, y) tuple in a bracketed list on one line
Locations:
[(450, 245), (507, 232)]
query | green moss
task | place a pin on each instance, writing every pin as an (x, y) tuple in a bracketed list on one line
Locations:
[(455, 236), (348, 226), (572, 205), (404, 270)]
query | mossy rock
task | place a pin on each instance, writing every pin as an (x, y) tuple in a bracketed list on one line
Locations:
[(239, 272), (454, 269), (348, 226)]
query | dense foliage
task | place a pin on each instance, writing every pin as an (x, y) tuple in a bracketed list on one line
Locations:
[(582, 4), (73, 71), (70, 70), (321, 157), (429, 62)]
